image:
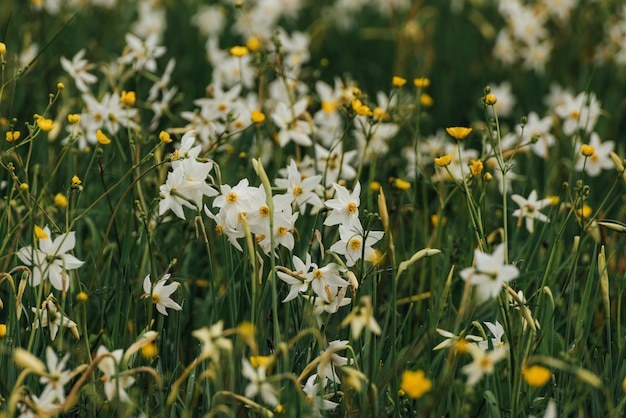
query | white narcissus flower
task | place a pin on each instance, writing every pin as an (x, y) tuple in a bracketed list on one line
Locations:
[(329, 359), (51, 316), (483, 362), (300, 188), (355, 243), (78, 68), (317, 403), (258, 383), (51, 261), (161, 293), (300, 278), (345, 207), (292, 128), (530, 209), (497, 330), (114, 384), (490, 273), (213, 341)]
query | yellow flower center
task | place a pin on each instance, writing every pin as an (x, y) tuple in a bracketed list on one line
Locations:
[(297, 190), (231, 197), (354, 244), (317, 274), (282, 231), (351, 208), (264, 211)]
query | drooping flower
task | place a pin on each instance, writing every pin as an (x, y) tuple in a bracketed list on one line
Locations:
[(114, 384), (50, 315), (489, 273), (51, 261), (529, 209), (258, 383)]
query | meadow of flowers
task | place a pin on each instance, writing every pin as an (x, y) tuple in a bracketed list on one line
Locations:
[(297, 208)]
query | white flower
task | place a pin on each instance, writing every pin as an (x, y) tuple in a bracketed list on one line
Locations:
[(300, 278), (530, 209), (161, 293), (483, 362), (327, 276), (490, 273), (50, 315), (213, 341), (362, 317), (355, 243), (78, 69), (258, 383), (330, 301), (170, 198), (57, 376), (344, 208), (451, 340), (316, 402), (142, 54), (51, 260), (329, 359), (498, 332), (114, 384), (292, 128), (301, 189)]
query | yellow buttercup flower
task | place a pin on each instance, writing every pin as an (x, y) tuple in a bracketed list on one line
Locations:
[(258, 361), (490, 99), (415, 384), (401, 184), (444, 160), (149, 351), (587, 150), (60, 200), (76, 181), (426, 100), (165, 137), (3, 331), (536, 375), (24, 187), (239, 51), (12, 136), (253, 43), (361, 109), (458, 132), (476, 167), (128, 98), (44, 124), (257, 116), (3, 48), (73, 118), (102, 138), (398, 81), (421, 82), (82, 297)]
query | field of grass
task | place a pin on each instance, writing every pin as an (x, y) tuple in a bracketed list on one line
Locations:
[(298, 208)]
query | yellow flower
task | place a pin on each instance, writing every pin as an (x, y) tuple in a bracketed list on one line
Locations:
[(24, 187), (257, 116), (279, 409), (73, 118), (421, 82), (624, 384), (426, 100), (128, 98), (76, 181), (239, 51), (258, 361), (165, 137), (398, 81), (44, 124), (476, 167), (587, 150), (3, 48), (379, 113), (149, 351), (585, 212), (361, 109), (60, 200), (436, 220), (82, 297), (102, 138), (253, 43), (444, 160), (536, 375), (374, 186), (246, 330), (13, 136), (401, 184), (488, 177), (3, 328), (40, 233), (490, 99), (458, 132), (415, 384), (60, 86), (554, 200)]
